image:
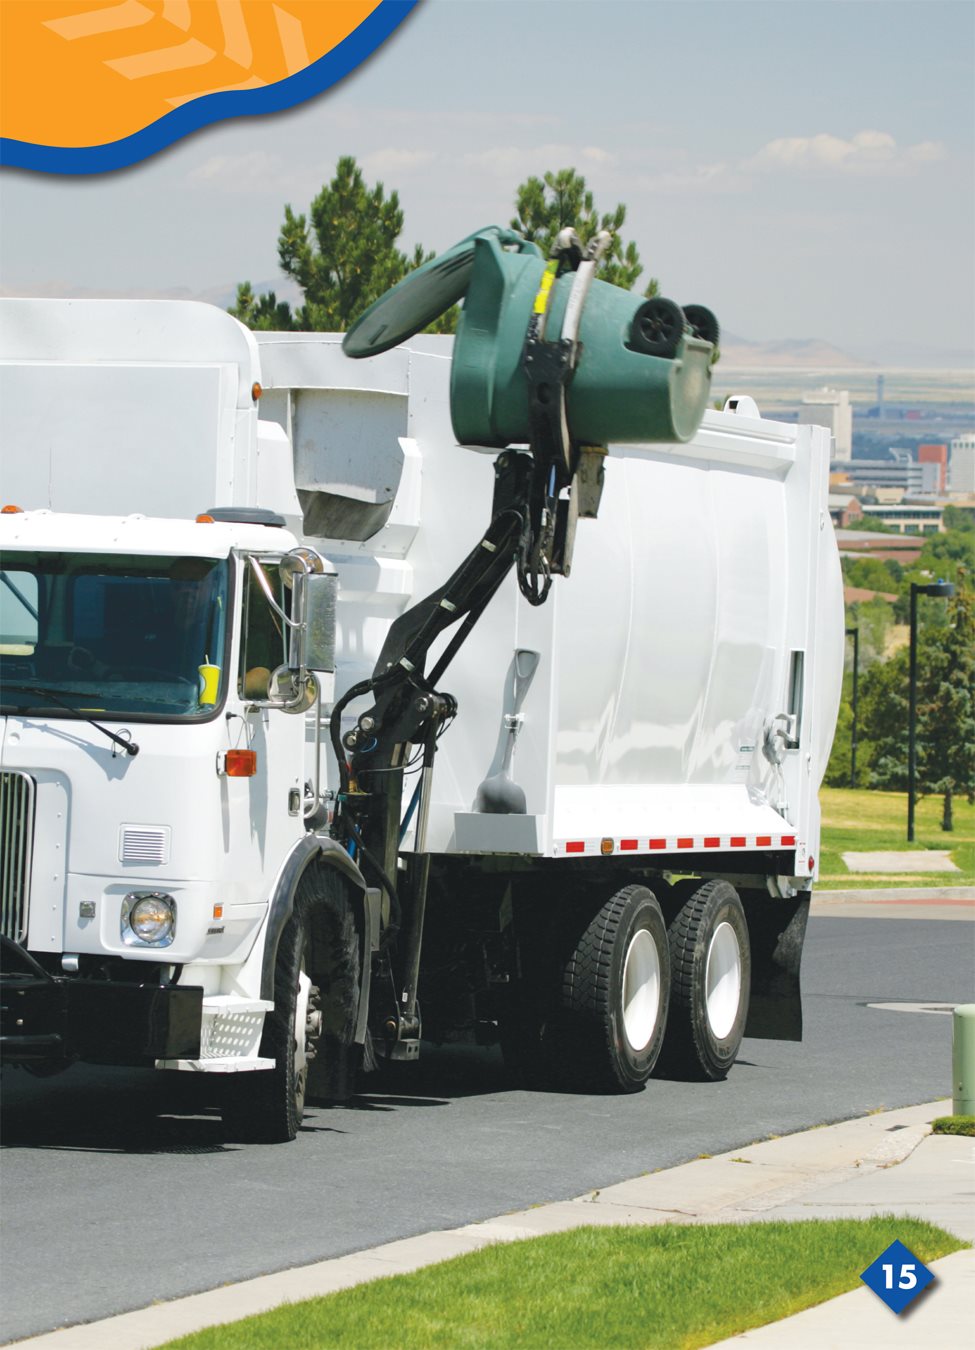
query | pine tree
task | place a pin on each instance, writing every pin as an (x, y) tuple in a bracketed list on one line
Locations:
[(546, 205)]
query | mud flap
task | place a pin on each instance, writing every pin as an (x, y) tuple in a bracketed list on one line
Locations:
[(777, 930)]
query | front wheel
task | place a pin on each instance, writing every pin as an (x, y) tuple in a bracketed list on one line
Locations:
[(615, 990), (316, 995), (711, 964)]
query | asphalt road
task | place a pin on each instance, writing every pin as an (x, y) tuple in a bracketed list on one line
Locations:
[(114, 1195)]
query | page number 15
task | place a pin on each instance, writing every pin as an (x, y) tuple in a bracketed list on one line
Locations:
[(908, 1280)]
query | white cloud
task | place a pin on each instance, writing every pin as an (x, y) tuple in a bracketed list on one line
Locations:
[(594, 154), (694, 178), (868, 152), (235, 172), (514, 161), (391, 160)]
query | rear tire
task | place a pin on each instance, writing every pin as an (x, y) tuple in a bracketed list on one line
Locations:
[(711, 983), (615, 991)]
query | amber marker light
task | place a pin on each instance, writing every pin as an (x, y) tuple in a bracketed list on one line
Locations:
[(606, 846), (218, 911), (204, 519), (11, 510), (256, 391), (240, 763)]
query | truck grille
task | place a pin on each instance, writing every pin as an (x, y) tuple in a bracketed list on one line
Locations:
[(16, 847)]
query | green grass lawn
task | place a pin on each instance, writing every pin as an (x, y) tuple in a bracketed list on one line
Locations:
[(866, 822), (672, 1286)]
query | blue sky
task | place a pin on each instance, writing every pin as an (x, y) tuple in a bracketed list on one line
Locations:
[(805, 168)]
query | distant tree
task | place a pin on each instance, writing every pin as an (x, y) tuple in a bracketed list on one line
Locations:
[(872, 526), (946, 751), (883, 720), (546, 205), (870, 574), (959, 518), (945, 738), (343, 255), (265, 312)]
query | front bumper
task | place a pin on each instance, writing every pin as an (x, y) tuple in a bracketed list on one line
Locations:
[(100, 1022)]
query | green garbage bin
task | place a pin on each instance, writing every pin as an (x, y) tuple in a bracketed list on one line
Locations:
[(620, 391)]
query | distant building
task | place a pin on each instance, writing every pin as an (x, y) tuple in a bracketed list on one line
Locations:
[(908, 517), (902, 548), (899, 472), (830, 408), (935, 454), (844, 508), (961, 464)]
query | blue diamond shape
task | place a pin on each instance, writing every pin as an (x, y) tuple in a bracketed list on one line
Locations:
[(897, 1276)]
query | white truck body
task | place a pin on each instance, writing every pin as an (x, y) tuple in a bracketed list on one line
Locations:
[(681, 704)]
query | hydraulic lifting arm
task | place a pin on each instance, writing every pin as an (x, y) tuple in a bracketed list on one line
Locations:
[(532, 524)]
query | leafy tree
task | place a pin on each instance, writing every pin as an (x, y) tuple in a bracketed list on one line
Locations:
[(943, 554), (871, 526), (959, 518), (883, 720), (946, 751), (840, 760), (343, 255), (945, 734), (871, 574), (265, 312), (874, 619), (546, 205)]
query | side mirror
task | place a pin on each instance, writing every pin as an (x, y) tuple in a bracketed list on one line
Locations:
[(312, 644)]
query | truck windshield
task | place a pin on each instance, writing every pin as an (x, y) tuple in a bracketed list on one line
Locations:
[(112, 634)]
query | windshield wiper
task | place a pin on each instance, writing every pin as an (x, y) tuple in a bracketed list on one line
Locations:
[(42, 691)]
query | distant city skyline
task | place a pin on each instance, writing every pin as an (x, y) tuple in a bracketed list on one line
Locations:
[(806, 169)]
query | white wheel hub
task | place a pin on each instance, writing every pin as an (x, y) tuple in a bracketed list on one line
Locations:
[(641, 990), (301, 1023), (722, 980)]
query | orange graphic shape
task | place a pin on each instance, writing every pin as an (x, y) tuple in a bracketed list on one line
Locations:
[(90, 72)]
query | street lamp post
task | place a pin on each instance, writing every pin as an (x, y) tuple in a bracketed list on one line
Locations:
[(943, 588), (854, 633)]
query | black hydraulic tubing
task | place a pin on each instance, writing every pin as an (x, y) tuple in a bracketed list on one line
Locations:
[(411, 965), (395, 908), (473, 614)]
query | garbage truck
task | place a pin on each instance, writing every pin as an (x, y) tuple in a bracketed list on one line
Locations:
[(352, 703)]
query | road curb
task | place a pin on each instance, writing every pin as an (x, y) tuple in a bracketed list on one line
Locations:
[(738, 1186), (864, 894)]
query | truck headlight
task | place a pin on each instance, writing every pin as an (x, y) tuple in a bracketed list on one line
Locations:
[(148, 919)]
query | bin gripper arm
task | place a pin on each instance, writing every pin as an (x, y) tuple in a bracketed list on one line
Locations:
[(549, 367)]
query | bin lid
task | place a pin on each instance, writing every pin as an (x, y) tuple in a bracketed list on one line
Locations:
[(422, 296)]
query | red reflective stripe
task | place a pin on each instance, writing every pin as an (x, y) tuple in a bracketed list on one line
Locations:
[(788, 841), (763, 841), (685, 843), (628, 843), (657, 843), (712, 842), (577, 846), (737, 841)]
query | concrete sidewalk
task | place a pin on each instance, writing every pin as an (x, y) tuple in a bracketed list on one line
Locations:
[(873, 1165)]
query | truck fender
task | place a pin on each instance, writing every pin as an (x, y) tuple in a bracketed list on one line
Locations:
[(328, 852)]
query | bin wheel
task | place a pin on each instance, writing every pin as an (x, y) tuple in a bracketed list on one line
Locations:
[(703, 323), (711, 982), (615, 990), (657, 328)]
